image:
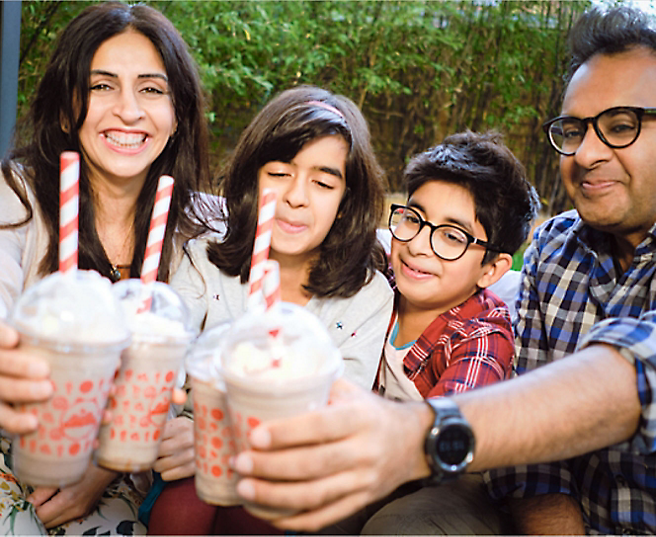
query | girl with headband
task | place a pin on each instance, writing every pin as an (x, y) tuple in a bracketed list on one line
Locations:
[(313, 149)]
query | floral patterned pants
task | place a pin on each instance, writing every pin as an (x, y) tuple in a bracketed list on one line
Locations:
[(115, 514)]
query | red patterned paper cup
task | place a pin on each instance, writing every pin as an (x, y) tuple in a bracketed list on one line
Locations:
[(59, 451), (149, 369), (144, 386), (213, 437), (214, 445), (276, 363), (73, 321)]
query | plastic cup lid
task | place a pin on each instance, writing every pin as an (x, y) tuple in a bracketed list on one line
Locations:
[(154, 311), (283, 343), (77, 308), (203, 359)]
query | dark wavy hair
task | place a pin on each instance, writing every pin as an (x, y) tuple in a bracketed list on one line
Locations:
[(350, 252), (506, 203), (609, 32), (62, 98)]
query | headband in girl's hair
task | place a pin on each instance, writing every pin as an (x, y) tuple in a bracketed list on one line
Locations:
[(327, 107)]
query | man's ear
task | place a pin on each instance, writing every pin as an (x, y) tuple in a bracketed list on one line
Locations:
[(494, 270)]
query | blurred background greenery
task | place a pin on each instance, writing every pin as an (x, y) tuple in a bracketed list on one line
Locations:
[(419, 70)]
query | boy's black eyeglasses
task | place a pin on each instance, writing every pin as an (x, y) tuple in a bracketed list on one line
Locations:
[(617, 127), (447, 242)]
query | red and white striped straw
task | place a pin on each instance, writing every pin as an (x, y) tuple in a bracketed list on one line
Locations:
[(271, 283), (69, 190), (157, 228), (271, 292), (261, 247), (155, 239)]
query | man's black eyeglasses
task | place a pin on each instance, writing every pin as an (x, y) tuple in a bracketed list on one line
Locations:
[(617, 127)]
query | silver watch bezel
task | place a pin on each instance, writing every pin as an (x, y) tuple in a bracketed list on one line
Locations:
[(446, 415)]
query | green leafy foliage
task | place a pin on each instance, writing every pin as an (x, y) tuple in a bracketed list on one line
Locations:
[(419, 70)]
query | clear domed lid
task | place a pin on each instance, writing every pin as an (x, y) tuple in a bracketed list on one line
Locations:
[(204, 356), (282, 343), (76, 308), (153, 310)]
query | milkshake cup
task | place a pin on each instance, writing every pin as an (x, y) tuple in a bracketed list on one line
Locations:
[(214, 442), (149, 369), (276, 363), (74, 322)]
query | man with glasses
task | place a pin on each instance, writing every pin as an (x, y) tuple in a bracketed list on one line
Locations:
[(588, 279), (586, 338)]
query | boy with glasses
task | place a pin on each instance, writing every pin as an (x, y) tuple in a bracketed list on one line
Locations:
[(469, 209)]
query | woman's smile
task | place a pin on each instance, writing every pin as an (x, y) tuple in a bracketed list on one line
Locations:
[(125, 140)]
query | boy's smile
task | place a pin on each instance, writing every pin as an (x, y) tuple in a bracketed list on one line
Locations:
[(412, 271), (425, 281)]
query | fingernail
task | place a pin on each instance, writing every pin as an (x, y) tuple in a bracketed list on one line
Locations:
[(243, 464), (41, 388), (29, 421), (38, 369), (260, 437), (246, 490)]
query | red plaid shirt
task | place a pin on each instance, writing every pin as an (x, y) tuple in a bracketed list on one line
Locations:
[(468, 346)]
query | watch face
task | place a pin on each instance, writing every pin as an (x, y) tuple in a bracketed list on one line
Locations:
[(454, 445)]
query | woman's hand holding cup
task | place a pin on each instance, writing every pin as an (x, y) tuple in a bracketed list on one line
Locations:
[(23, 379)]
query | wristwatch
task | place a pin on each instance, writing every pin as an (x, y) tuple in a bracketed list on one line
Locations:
[(449, 443)]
